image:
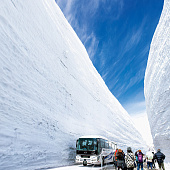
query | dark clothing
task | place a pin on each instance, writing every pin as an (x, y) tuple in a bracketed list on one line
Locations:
[(153, 164), (161, 165), (120, 160), (130, 168), (159, 156), (120, 156)]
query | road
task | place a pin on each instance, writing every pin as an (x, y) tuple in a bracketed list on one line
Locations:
[(88, 167), (91, 167)]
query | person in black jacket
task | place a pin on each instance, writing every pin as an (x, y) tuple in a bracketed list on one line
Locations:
[(120, 160), (159, 156)]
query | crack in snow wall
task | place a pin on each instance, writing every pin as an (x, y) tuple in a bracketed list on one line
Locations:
[(157, 83), (50, 91)]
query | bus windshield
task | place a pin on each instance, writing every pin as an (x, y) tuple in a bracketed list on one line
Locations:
[(89, 144)]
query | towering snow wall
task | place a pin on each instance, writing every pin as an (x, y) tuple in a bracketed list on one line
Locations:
[(50, 93), (157, 83)]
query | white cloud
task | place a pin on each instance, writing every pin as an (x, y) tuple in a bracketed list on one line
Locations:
[(88, 39), (115, 11), (136, 78), (93, 46)]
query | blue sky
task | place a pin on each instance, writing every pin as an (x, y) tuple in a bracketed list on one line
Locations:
[(117, 36)]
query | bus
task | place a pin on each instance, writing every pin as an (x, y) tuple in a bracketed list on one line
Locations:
[(94, 150)]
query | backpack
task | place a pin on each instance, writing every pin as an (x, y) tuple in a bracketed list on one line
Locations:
[(120, 156), (140, 157)]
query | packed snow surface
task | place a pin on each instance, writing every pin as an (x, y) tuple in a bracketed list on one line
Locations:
[(157, 83), (50, 92)]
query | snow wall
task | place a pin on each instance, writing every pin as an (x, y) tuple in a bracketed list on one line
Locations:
[(157, 83), (50, 92)]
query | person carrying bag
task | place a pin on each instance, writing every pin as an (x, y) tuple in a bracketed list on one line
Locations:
[(120, 160), (130, 159)]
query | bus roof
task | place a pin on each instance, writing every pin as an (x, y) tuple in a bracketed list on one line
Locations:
[(96, 136), (93, 136)]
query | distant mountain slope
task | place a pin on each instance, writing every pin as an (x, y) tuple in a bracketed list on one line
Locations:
[(50, 93), (157, 83)]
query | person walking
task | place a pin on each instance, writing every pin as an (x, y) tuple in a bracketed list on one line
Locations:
[(153, 161), (139, 155), (120, 160), (115, 158), (159, 156), (130, 159), (149, 158)]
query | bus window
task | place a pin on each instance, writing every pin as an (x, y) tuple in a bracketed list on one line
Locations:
[(102, 143), (87, 144), (99, 146), (107, 144)]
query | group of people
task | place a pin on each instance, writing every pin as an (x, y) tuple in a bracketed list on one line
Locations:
[(130, 160)]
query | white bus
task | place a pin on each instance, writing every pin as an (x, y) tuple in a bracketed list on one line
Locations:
[(94, 150)]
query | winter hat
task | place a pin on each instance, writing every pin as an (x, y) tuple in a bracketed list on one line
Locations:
[(129, 149), (139, 150)]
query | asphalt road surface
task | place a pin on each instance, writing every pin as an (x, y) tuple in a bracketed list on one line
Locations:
[(88, 167), (91, 167)]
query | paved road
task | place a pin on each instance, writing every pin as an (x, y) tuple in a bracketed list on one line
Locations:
[(91, 167), (88, 167)]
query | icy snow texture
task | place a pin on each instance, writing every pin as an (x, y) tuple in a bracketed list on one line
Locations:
[(50, 92), (157, 83)]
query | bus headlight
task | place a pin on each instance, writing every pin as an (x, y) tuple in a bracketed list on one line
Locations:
[(94, 158), (78, 157)]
